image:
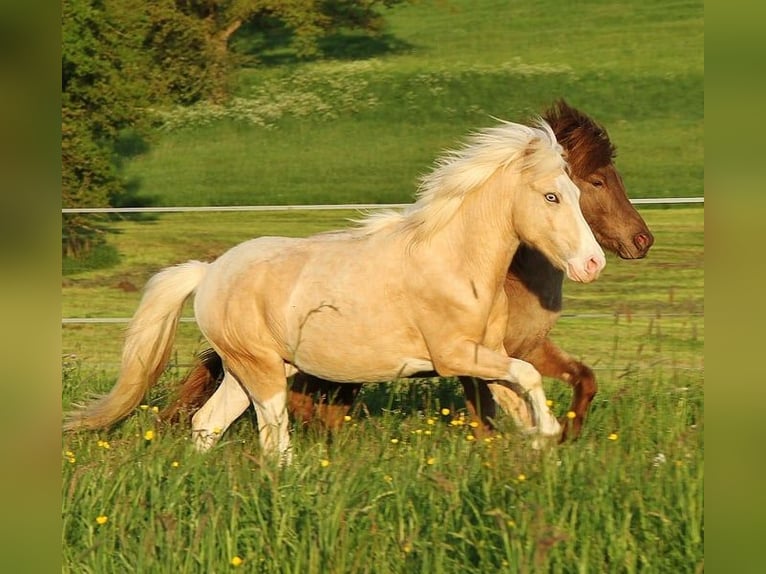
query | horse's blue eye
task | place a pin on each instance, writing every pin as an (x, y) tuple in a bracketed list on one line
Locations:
[(552, 197)]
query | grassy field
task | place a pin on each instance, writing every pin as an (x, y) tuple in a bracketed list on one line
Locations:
[(364, 131), (403, 487)]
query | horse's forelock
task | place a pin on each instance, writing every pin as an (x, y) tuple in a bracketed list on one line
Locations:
[(586, 143)]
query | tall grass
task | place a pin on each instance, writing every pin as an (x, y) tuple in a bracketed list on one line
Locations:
[(401, 489)]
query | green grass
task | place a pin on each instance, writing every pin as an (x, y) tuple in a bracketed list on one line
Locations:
[(364, 131), (400, 494)]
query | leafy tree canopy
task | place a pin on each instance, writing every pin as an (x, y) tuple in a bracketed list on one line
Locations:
[(121, 57)]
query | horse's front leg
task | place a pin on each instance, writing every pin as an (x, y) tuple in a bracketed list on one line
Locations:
[(476, 360), (554, 362), (480, 404)]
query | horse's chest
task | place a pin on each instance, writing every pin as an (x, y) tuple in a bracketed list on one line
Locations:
[(529, 323)]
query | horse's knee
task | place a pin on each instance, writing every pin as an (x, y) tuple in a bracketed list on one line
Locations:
[(587, 382), (528, 377)]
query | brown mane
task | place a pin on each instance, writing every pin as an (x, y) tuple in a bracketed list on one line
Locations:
[(587, 143)]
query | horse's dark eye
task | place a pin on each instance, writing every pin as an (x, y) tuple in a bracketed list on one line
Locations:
[(597, 183), (552, 197)]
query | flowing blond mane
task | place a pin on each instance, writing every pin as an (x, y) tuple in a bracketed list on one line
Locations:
[(463, 171)]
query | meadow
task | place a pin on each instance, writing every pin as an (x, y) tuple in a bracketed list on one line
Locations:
[(406, 485)]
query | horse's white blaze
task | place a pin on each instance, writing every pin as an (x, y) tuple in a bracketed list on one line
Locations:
[(588, 260), (227, 403)]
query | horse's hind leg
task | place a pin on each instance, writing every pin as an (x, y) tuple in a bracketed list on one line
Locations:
[(328, 401), (335, 400), (553, 362), (262, 375), (227, 403)]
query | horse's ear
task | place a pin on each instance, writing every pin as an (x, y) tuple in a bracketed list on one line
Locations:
[(529, 156), (532, 147)]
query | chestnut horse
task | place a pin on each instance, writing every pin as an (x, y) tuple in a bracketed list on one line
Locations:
[(274, 305), (533, 284)]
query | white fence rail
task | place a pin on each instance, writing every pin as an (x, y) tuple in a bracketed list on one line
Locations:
[(346, 207)]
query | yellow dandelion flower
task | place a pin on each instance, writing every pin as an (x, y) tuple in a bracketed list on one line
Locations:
[(430, 421), (143, 407), (419, 431), (101, 519), (613, 436), (407, 547), (175, 464), (431, 460), (69, 453), (445, 412), (549, 403), (324, 463), (473, 424), (394, 441), (104, 444), (347, 418), (571, 415), (511, 524), (522, 477), (488, 439), (149, 435), (470, 437), (455, 423), (236, 561), (427, 432), (155, 409), (72, 459), (388, 478)]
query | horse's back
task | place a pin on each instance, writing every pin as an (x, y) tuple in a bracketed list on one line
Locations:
[(315, 301)]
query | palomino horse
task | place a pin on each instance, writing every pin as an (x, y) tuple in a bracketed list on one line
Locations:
[(534, 288), (274, 304)]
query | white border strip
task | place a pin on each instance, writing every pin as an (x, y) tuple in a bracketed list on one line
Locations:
[(346, 207)]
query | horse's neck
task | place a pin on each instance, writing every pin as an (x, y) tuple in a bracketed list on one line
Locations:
[(539, 276), (487, 240)]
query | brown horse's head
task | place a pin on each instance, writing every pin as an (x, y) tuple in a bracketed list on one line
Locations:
[(616, 224)]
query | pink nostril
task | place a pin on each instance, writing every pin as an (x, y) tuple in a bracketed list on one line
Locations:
[(643, 240), (592, 266)]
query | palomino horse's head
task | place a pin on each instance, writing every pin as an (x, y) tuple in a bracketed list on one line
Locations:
[(590, 154), (547, 211)]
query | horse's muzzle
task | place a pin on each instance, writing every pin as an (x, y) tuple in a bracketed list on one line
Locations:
[(587, 270)]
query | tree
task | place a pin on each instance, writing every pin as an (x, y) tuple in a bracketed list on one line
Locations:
[(121, 57), (103, 78)]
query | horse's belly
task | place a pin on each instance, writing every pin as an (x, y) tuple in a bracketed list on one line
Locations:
[(342, 345), (368, 370)]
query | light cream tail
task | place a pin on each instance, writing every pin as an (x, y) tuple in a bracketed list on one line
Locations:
[(147, 347)]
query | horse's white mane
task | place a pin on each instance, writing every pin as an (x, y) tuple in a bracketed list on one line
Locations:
[(459, 172)]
